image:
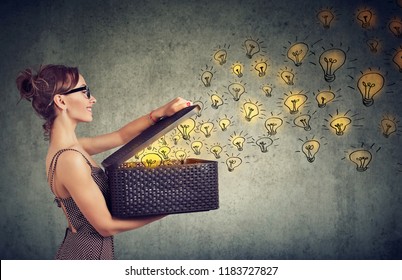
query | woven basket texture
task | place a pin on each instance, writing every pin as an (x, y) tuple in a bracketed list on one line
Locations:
[(141, 191)]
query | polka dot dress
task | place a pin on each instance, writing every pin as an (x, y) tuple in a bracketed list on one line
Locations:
[(86, 243)]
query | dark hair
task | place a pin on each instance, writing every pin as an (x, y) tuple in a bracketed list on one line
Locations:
[(39, 88)]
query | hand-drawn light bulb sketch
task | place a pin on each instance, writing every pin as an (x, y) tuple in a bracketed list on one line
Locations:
[(397, 59), (263, 143), (252, 47), (297, 52), (261, 68), (369, 85), (224, 123), (287, 77), (236, 90), (396, 28), (238, 142), (324, 97), (294, 101), (310, 148), (365, 17), (151, 160), (164, 151), (331, 60), (267, 89), (388, 126), (220, 56), (303, 121), (340, 124), (196, 146), (237, 69), (181, 155), (206, 128), (216, 101), (233, 162), (186, 127), (250, 110), (216, 150), (272, 124), (325, 17), (206, 78), (361, 158), (373, 45)]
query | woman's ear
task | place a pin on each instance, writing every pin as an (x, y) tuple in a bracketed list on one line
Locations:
[(59, 101)]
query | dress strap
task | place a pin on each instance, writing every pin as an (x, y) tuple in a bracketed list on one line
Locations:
[(52, 169)]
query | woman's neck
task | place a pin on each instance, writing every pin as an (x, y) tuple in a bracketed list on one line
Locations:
[(63, 133)]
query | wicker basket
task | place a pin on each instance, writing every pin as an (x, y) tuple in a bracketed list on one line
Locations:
[(191, 186)]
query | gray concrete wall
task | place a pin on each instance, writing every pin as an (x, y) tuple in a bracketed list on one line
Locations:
[(136, 55)]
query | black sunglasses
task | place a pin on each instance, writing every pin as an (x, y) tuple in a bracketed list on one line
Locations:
[(87, 93)]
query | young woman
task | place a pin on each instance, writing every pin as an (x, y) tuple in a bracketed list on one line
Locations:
[(60, 95)]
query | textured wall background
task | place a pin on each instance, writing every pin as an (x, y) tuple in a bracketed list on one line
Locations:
[(136, 55)]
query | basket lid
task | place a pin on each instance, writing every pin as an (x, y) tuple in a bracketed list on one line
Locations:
[(148, 136)]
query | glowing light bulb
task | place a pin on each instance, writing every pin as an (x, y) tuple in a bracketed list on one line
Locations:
[(325, 17), (186, 127), (224, 124), (267, 90), (216, 101), (298, 52), (397, 59), (361, 158), (331, 60), (324, 97), (232, 163), (373, 45), (396, 28), (369, 85), (236, 90), (181, 155), (310, 149), (250, 110), (294, 101), (272, 124), (303, 121), (206, 128), (365, 18), (261, 68), (206, 78), (196, 147), (216, 151), (252, 47), (151, 160), (340, 124), (238, 142), (164, 151), (220, 56), (237, 69), (264, 143), (388, 127), (287, 77)]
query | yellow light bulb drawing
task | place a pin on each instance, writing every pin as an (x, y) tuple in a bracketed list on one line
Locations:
[(224, 124), (164, 151), (397, 59), (216, 101), (250, 110), (396, 28), (238, 142), (361, 158), (310, 148), (297, 52), (324, 97), (236, 90), (220, 56), (206, 78), (267, 90), (331, 60), (233, 162), (369, 85), (373, 45), (303, 121), (272, 124), (176, 138), (196, 147), (388, 127), (216, 151), (365, 18), (151, 160), (181, 155), (237, 69), (288, 77), (206, 128), (294, 102), (340, 124), (186, 127), (325, 17), (252, 47), (264, 143), (261, 68)]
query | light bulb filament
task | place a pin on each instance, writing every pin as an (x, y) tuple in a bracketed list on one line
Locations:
[(150, 162), (294, 102), (329, 63), (297, 54), (186, 136), (367, 88)]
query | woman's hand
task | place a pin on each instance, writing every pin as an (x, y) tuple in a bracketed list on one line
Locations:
[(170, 108)]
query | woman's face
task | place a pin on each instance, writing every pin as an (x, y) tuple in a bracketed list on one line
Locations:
[(79, 104)]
